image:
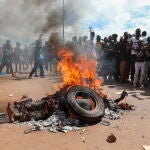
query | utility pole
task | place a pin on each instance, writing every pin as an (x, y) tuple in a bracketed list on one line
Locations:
[(63, 23), (90, 28)]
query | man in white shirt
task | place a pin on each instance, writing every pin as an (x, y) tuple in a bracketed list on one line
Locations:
[(90, 47)]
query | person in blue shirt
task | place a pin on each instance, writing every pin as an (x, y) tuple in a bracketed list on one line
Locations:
[(38, 59)]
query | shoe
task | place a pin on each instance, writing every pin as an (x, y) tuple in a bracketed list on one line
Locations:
[(13, 75), (43, 76), (36, 75), (30, 77), (124, 81)]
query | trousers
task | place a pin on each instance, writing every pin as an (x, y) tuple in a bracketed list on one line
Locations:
[(139, 66)]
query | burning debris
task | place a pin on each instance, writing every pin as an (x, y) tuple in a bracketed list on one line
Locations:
[(68, 109), (78, 95), (79, 70), (79, 99), (126, 106)]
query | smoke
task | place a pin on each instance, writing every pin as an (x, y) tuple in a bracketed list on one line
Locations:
[(21, 21), (26, 20), (55, 41), (37, 2), (54, 21)]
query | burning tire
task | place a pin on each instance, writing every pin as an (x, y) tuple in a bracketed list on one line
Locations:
[(83, 114)]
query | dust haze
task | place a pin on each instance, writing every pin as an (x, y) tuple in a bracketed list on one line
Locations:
[(26, 20)]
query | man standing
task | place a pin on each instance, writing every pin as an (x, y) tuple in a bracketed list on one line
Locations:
[(144, 37), (1, 54), (90, 47), (46, 51), (146, 48), (114, 51), (135, 44), (7, 57), (17, 57), (139, 60), (125, 52)]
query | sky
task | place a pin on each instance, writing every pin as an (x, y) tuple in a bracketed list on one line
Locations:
[(26, 20), (118, 16)]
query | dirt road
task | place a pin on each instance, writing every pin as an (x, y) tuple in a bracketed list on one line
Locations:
[(132, 131)]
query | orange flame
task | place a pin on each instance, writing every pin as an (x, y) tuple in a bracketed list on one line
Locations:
[(78, 71)]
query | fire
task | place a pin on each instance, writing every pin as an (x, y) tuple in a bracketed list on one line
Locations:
[(78, 71)]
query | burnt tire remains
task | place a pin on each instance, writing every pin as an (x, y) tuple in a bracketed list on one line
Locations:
[(82, 114)]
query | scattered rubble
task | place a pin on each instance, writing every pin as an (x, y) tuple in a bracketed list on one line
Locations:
[(112, 115), (82, 131), (126, 106), (136, 94), (58, 122), (111, 138), (105, 123), (66, 110), (35, 128), (3, 118), (83, 139)]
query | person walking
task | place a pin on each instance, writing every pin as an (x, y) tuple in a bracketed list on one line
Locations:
[(38, 59)]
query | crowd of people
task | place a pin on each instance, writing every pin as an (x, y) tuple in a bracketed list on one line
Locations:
[(37, 56), (122, 59), (14, 58)]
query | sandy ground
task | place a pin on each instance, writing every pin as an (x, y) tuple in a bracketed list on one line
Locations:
[(132, 131)]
